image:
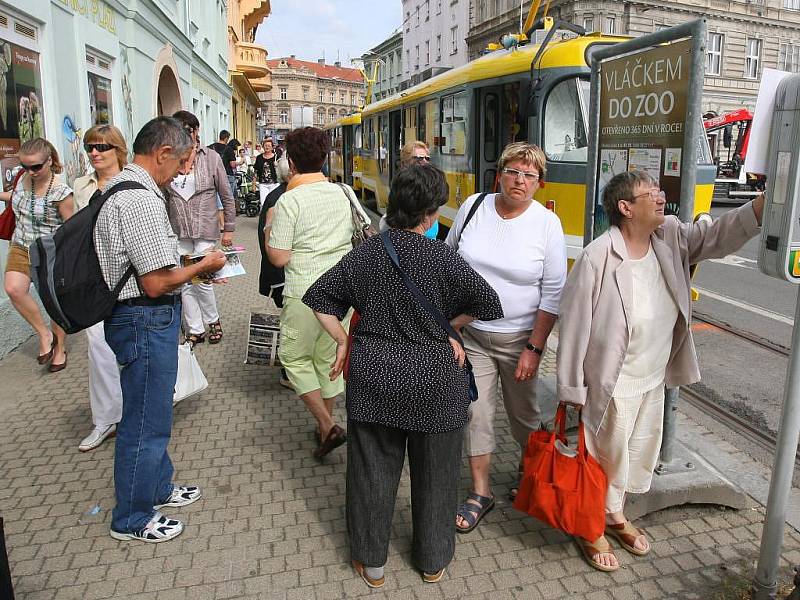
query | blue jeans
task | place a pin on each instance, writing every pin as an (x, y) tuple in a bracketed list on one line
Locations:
[(232, 182), (145, 342)]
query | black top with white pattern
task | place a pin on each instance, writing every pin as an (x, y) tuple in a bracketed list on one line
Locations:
[(402, 370)]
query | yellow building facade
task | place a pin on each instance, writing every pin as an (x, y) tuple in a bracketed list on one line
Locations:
[(247, 65)]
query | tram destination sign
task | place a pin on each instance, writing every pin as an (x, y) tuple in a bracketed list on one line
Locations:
[(643, 102)]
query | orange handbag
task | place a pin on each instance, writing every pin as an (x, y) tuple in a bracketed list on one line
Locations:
[(562, 486)]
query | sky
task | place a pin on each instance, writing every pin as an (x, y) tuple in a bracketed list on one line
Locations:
[(307, 28)]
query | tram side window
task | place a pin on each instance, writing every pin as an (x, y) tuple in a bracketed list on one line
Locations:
[(369, 136), (383, 137), (565, 117), (357, 137), (453, 140), (410, 124), (428, 124)]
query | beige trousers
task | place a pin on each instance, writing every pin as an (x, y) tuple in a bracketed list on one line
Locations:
[(494, 356), (628, 443)]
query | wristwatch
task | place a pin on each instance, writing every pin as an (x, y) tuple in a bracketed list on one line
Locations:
[(533, 348)]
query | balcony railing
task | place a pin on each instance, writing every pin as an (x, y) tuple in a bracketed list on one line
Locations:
[(251, 59)]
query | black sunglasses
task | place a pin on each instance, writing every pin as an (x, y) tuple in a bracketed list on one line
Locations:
[(420, 159), (33, 168), (98, 147)]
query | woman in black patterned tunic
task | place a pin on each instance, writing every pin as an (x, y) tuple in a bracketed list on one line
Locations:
[(407, 385)]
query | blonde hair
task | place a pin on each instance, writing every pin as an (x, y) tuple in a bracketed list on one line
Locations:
[(523, 151), (407, 153), (42, 146), (108, 134)]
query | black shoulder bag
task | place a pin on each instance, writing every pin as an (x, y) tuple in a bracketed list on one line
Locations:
[(431, 309)]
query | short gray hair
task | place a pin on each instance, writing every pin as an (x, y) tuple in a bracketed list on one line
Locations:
[(282, 169), (159, 132), (620, 187)]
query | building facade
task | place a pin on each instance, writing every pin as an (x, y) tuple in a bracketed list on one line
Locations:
[(66, 65), (309, 93), (744, 36), (434, 38), (247, 65), (385, 61)]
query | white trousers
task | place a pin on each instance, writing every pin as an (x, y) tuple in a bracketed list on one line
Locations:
[(105, 393), (198, 299), (628, 443)]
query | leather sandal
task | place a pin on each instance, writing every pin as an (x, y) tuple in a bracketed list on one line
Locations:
[(514, 489), (626, 534), (473, 513), (195, 338), (335, 438), (592, 549), (214, 333)]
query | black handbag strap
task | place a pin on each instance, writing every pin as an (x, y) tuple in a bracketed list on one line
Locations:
[(415, 291), (472, 210)]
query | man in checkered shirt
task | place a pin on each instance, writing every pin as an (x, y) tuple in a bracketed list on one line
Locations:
[(133, 229)]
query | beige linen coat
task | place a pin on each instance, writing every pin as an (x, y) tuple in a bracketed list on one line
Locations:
[(594, 328)]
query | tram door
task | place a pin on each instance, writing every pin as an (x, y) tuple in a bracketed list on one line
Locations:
[(395, 141), (347, 154), (490, 125)]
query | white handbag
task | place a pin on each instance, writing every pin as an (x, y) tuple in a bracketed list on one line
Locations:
[(190, 379)]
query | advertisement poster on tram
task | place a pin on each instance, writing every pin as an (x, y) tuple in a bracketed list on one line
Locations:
[(21, 116), (99, 99), (643, 101)]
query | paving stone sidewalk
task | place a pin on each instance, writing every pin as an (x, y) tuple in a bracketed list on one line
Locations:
[(271, 523)]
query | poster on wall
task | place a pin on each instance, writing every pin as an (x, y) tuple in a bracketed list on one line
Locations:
[(99, 99), (21, 116)]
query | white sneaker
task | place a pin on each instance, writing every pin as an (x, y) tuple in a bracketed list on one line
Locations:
[(182, 495), (97, 437), (158, 529)]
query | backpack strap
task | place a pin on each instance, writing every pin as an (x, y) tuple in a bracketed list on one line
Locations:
[(121, 187), (472, 210)]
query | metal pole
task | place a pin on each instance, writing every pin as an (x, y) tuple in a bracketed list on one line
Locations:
[(765, 584), (686, 211), (594, 143)]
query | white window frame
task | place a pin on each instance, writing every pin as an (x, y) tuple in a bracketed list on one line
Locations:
[(752, 61), (791, 4), (283, 91), (715, 45), (454, 39), (322, 95), (306, 89), (283, 116), (102, 65), (427, 52), (588, 23), (332, 96), (611, 24), (438, 48), (789, 57)]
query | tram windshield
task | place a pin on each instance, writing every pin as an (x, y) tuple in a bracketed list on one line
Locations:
[(565, 121)]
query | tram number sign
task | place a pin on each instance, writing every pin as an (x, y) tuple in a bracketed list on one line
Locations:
[(643, 100), (779, 247)]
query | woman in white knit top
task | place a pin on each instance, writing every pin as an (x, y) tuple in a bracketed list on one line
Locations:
[(624, 334)]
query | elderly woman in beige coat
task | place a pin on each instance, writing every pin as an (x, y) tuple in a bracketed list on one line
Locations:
[(624, 334)]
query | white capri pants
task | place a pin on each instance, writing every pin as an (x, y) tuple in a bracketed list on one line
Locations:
[(628, 443), (198, 299), (105, 393)]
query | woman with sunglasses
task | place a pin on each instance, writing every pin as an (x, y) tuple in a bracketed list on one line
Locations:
[(41, 203), (108, 153), (518, 247), (194, 215), (625, 333), (413, 153)]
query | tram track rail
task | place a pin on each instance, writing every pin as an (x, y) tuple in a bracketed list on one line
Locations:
[(758, 435), (721, 414), (745, 335)]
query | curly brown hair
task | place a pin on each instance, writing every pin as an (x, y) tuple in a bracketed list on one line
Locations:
[(307, 148)]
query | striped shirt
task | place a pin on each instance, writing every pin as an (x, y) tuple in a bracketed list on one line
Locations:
[(36, 216), (133, 229), (314, 221)]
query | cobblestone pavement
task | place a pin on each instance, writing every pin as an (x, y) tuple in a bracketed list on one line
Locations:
[(271, 523)]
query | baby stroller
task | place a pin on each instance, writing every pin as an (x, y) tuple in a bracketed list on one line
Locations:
[(248, 201)]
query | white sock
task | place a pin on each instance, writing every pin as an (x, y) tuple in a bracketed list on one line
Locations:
[(374, 572)]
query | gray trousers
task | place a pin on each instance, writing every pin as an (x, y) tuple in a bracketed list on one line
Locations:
[(375, 457)]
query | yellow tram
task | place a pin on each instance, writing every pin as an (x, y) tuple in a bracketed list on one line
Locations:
[(469, 114)]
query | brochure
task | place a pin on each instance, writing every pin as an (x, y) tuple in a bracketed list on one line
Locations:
[(232, 268)]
